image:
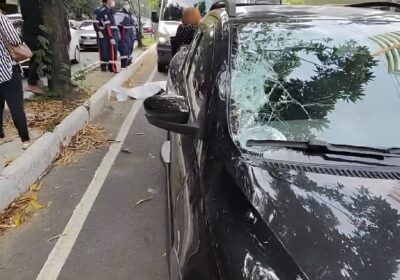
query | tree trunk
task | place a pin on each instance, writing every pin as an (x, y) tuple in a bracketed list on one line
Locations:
[(140, 43), (56, 20)]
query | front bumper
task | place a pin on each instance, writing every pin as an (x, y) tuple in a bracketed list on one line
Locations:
[(164, 54), (88, 42)]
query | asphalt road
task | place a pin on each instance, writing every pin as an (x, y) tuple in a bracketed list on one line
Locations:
[(87, 57), (113, 237)]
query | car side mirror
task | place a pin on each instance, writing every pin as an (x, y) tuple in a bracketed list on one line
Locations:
[(170, 112), (154, 17)]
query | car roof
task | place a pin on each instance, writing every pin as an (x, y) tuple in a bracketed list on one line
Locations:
[(280, 12), (315, 12)]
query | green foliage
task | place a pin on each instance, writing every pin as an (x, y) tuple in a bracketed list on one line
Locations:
[(43, 54), (154, 3), (148, 41), (80, 9)]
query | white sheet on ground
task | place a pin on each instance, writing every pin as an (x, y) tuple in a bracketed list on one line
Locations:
[(147, 90)]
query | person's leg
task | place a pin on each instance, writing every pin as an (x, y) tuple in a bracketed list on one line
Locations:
[(113, 59), (103, 54), (122, 51), (1, 112), (130, 48), (14, 96)]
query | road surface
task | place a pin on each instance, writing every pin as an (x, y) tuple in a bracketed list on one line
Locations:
[(87, 58), (96, 229)]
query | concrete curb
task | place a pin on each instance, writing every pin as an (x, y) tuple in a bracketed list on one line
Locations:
[(27, 169), (71, 125)]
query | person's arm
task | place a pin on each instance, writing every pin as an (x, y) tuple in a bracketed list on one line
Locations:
[(106, 21), (11, 35)]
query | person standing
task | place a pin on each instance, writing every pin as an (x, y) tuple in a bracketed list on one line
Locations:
[(32, 16), (184, 35), (110, 32), (11, 83), (101, 41), (127, 28)]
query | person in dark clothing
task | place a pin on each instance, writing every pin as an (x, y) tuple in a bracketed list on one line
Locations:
[(32, 16), (127, 28), (110, 32), (184, 35), (11, 83)]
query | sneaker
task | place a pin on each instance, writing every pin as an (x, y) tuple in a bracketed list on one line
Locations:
[(26, 144)]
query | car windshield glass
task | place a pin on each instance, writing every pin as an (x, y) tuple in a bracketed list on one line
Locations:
[(333, 80), (172, 9), (86, 26)]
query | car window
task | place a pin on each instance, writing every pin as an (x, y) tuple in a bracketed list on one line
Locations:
[(336, 81), (200, 68)]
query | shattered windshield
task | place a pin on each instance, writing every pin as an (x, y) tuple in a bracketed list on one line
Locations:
[(336, 81)]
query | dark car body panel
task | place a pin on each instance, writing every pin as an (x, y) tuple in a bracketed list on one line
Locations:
[(164, 54), (237, 215)]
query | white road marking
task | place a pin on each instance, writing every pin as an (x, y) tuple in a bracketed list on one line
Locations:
[(58, 256)]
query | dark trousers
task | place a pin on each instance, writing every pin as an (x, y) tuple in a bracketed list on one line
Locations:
[(108, 54), (34, 45), (12, 93)]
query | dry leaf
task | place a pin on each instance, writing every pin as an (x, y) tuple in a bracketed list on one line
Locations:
[(49, 204), (8, 162), (143, 200), (90, 138), (18, 220), (37, 205), (36, 187), (126, 151), (55, 237)]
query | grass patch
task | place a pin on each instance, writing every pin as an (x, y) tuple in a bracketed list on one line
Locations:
[(148, 41)]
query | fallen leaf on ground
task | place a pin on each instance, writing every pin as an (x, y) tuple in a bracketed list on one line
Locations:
[(143, 200), (49, 204), (126, 151), (19, 211), (18, 220), (37, 205), (88, 139), (36, 187), (55, 237), (8, 162)]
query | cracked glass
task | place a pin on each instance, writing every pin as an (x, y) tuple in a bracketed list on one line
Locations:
[(315, 79)]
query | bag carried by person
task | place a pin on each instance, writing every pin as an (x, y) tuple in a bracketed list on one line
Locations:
[(18, 53)]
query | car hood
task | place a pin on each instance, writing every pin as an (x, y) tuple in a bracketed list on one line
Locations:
[(334, 227)]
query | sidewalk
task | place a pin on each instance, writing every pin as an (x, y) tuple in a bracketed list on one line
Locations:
[(44, 115)]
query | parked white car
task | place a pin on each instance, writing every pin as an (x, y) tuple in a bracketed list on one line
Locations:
[(87, 35), (73, 48)]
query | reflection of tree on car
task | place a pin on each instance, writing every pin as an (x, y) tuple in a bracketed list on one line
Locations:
[(311, 213), (239, 210), (304, 79)]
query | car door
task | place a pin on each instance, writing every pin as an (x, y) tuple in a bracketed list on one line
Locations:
[(187, 221)]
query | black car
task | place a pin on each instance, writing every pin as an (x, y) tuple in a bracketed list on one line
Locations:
[(284, 158)]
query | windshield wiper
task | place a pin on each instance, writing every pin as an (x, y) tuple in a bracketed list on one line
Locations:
[(318, 146), (375, 4)]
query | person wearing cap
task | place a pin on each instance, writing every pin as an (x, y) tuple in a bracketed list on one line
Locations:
[(126, 24), (110, 34)]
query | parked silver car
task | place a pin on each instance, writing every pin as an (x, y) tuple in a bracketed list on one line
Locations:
[(87, 35)]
